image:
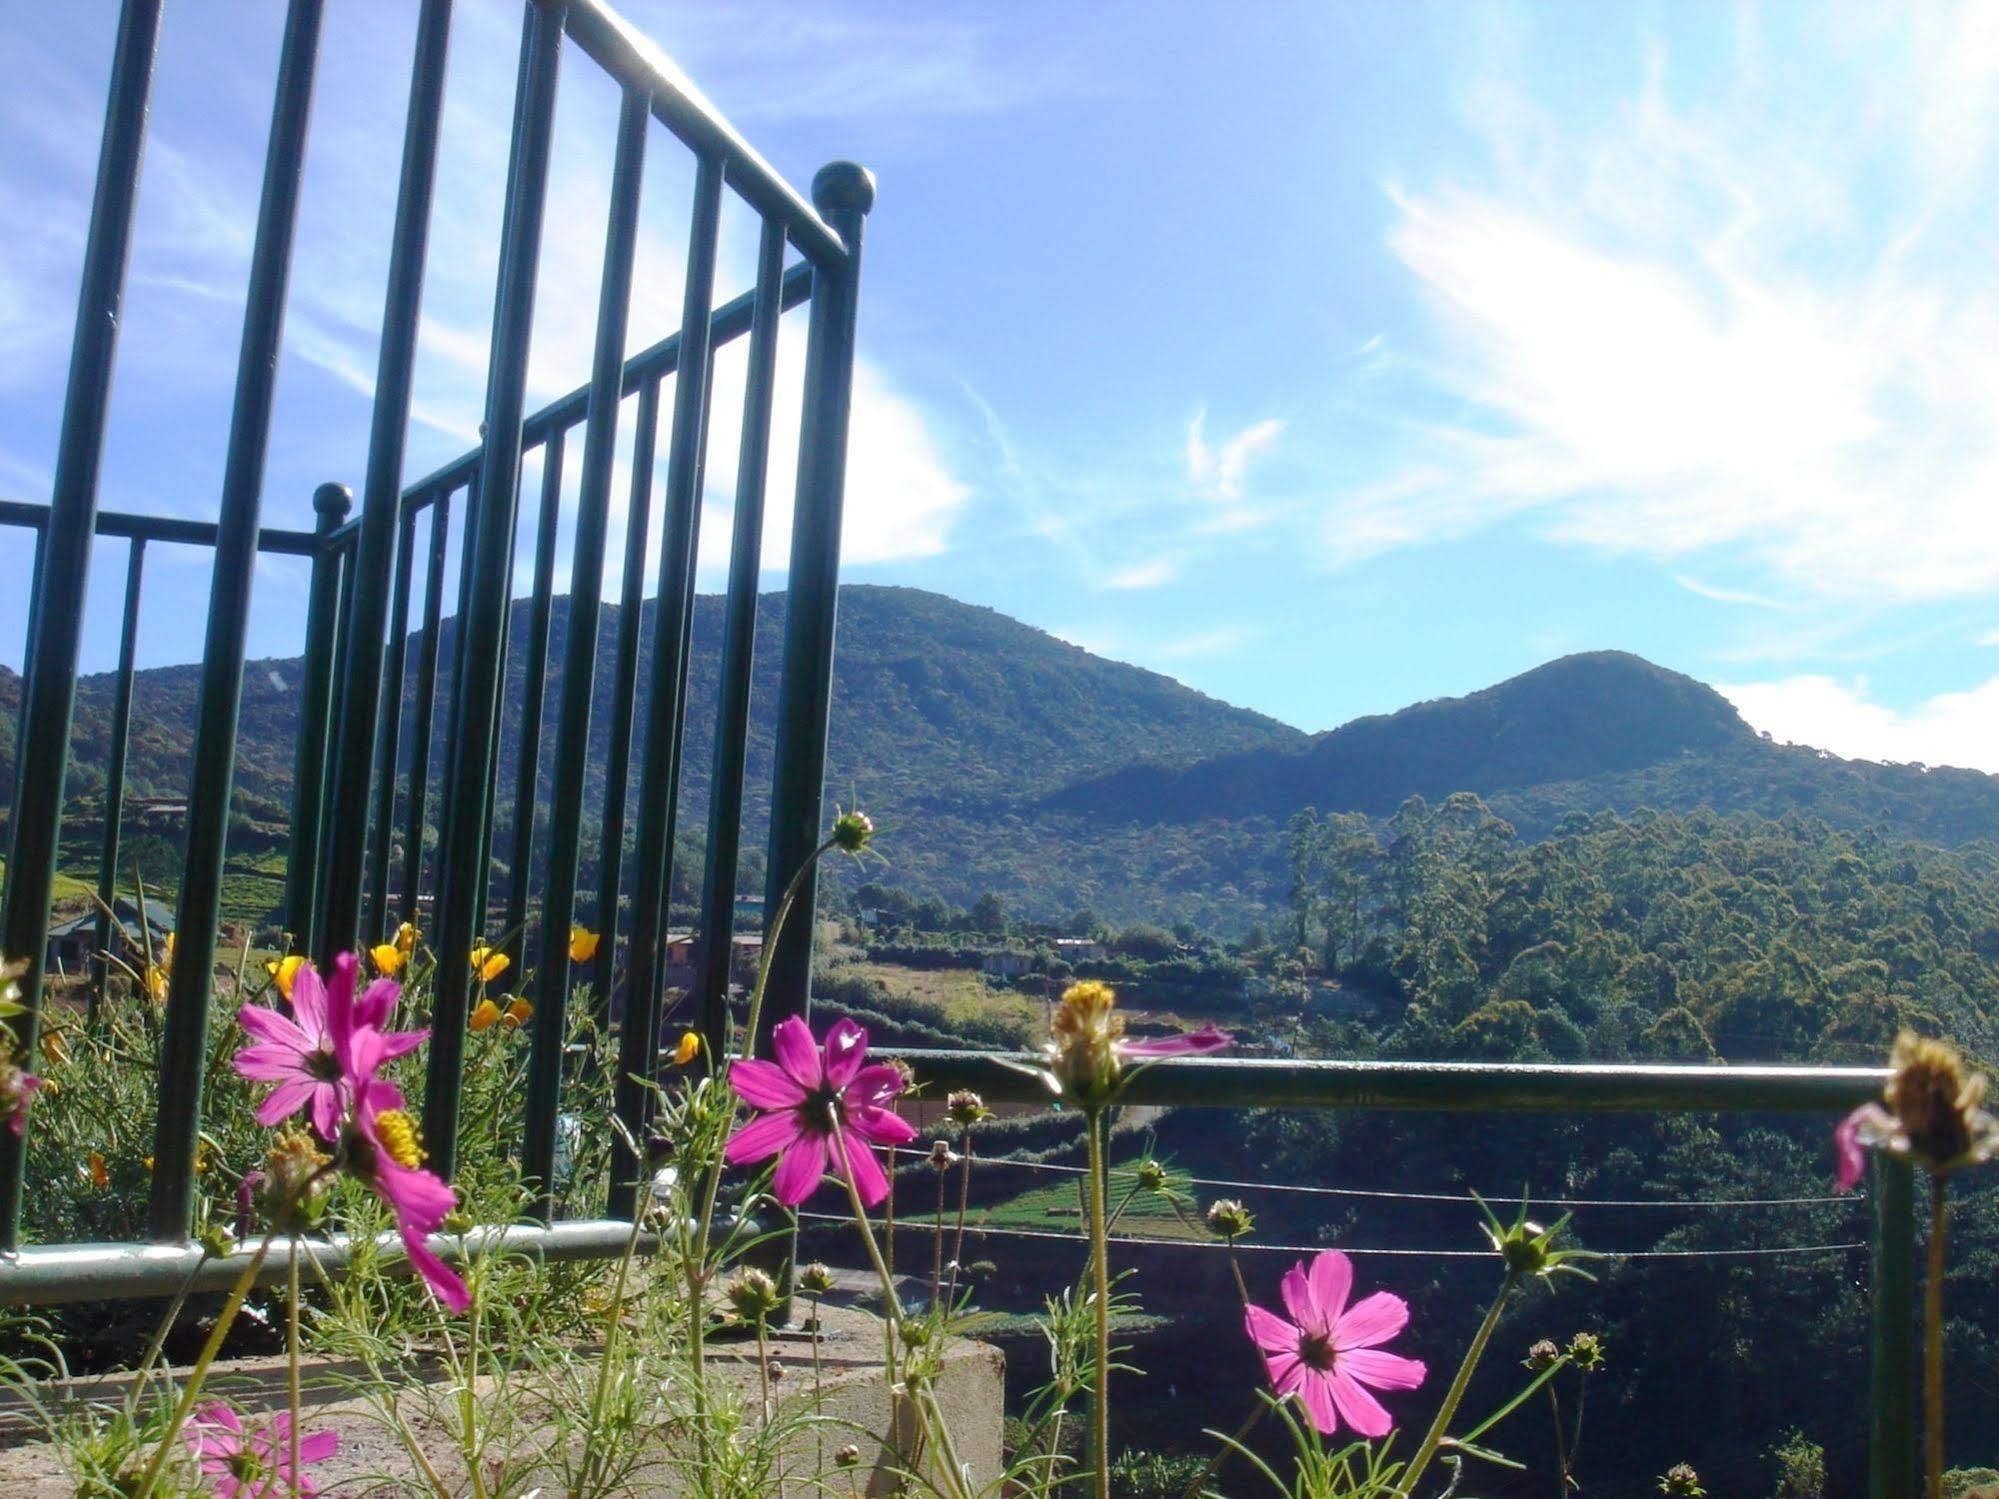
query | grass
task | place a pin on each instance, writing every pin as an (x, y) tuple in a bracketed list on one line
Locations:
[(954, 995), (1057, 1208)]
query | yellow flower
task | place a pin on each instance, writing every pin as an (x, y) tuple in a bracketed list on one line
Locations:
[(518, 1013), (582, 944), (388, 959), (489, 963), (100, 1174), (54, 1048), (688, 1049), (283, 972), (483, 1015), (406, 938), (158, 972)]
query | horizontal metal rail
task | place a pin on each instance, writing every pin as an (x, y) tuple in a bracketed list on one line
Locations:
[(50, 1274), (168, 529), (730, 321), (632, 58), (1459, 1087)]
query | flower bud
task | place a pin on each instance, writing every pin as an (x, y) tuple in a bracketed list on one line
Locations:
[(942, 1156), (774, 1370), (1151, 1176), (853, 831), (1229, 1218), (848, 1456), (1529, 1249), (1586, 1352), (659, 1149), (752, 1295), (966, 1108), (815, 1279), (216, 1241), (293, 1160), (1543, 1355), (1682, 1482)]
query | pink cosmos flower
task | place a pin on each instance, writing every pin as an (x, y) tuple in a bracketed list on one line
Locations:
[(1209, 1037), (815, 1103), (17, 1091), (254, 1464), (329, 1038), (382, 1151), (1330, 1351)]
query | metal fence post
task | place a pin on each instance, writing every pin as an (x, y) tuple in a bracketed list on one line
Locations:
[(388, 744), (426, 707), (114, 772), (843, 193), (330, 504), (1892, 1414), (381, 503), (468, 787), (42, 751), (534, 682), (184, 1038)]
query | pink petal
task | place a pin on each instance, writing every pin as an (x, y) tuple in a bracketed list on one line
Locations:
[(1384, 1371), (1285, 1370), (286, 1100), (1357, 1408), (440, 1277), (874, 1086), (791, 1043), (764, 1085), (326, 1112), (377, 1003), (846, 1049), (269, 1062), (1852, 1160), (401, 1043), (1315, 1393), (1300, 1301), (269, 1025), (419, 1198), (880, 1126), (218, 1414), (1332, 1283), (800, 1171), (309, 997), (869, 1180), (1269, 1331), (762, 1138), (1207, 1038), (318, 1447), (1371, 1320)]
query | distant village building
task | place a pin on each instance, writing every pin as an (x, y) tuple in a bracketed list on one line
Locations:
[(73, 945), (746, 951), (1006, 963), (1081, 949)]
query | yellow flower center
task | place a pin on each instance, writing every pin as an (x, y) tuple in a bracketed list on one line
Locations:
[(397, 1132)]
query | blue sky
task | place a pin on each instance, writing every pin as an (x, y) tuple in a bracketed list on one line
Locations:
[(1326, 357)]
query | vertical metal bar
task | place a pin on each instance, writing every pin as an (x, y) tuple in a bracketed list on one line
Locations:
[(330, 504), (389, 726), (381, 503), (36, 568), (426, 705), (183, 1049), (624, 695), (732, 724), (1891, 1466), (341, 686), (843, 193), (665, 706), (527, 767), (114, 770), (586, 587), (470, 781), (41, 756)]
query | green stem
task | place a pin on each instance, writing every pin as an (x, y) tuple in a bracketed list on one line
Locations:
[(1226, 1451), (291, 1359), (964, 1200), (1434, 1437), (818, 1392), (937, 1246), (1100, 1403), (1561, 1450), (1933, 1341), (697, 1266), (613, 1322)]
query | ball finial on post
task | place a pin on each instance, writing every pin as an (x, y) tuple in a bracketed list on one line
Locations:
[(331, 502), (843, 187)]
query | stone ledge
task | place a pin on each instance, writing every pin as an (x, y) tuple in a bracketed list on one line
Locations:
[(372, 1461)]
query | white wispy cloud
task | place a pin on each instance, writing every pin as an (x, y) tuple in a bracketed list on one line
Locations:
[(1706, 327), (1732, 595), (1150, 573), (1219, 470), (1952, 728), (1990, 637)]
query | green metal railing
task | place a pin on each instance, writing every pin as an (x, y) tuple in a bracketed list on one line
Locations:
[(375, 659)]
